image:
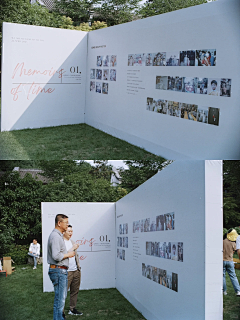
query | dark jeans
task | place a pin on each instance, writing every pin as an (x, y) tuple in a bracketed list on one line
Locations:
[(59, 278)]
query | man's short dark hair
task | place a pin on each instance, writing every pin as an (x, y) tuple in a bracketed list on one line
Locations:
[(60, 217), (174, 247), (214, 81), (35, 239), (69, 226)]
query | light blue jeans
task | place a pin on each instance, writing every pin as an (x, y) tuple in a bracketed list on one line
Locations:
[(34, 258), (59, 278), (229, 267)]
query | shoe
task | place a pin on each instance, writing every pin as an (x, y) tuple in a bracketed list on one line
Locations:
[(225, 293), (238, 294), (34, 268), (63, 314), (75, 312)]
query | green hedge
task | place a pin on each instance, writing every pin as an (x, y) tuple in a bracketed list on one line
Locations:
[(18, 253), (236, 228)]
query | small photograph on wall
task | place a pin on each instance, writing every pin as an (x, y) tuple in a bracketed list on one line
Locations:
[(105, 74), (92, 73), (174, 251), (206, 58), (225, 87), (99, 74), (213, 116), (162, 82), (160, 222), (120, 228), (131, 60), (123, 242), (105, 61), (202, 114), (202, 85), (156, 248), (155, 274), (120, 241), (152, 248), (147, 225), (183, 108), (168, 250), (126, 242), (164, 107), (169, 280), (142, 225), (214, 86), (192, 114), (149, 103), (139, 59), (123, 254), (164, 278), (99, 61), (92, 85), (175, 282), (143, 270), (149, 272), (165, 250), (113, 74), (169, 221), (187, 58), (178, 83), (155, 108), (189, 85), (105, 88), (161, 250), (149, 59), (173, 108), (113, 61), (98, 87), (171, 83), (159, 59), (125, 228), (148, 248), (160, 276), (153, 225), (180, 251), (172, 58), (118, 254)]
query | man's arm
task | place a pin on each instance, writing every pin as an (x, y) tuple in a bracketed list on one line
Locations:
[(238, 246)]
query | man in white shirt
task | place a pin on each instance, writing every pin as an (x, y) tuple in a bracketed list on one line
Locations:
[(74, 272), (34, 251)]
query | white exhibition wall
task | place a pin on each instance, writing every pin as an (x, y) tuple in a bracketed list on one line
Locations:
[(43, 76), (190, 192), (122, 113), (121, 92), (94, 229), (179, 207)]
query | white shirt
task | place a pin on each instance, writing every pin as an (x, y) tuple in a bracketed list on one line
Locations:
[(35, 248), (72, 261), (238, 243)]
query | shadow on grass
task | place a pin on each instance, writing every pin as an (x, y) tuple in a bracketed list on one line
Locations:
[(66, 143)]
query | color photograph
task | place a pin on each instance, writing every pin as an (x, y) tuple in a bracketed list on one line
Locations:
[(187, 58), (202, 85), (214, 86), (206, 58), (172, 58), (162, 82), (213, 116), (225, 88)]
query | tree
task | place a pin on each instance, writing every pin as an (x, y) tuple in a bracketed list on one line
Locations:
[(78, 10), (140, 171), (231, 193), (155, 7), (115, 12)]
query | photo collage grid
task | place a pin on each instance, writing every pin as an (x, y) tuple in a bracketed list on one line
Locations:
[(206, 58), (165, 250), (160, 223), (160, 276), (210, 86), (122, 241), (203, 114), (105, 71)]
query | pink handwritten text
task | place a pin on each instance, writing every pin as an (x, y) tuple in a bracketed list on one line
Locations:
[(84, 241)]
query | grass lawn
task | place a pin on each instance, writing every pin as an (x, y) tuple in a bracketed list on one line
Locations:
[(65, 143), (21, 298)]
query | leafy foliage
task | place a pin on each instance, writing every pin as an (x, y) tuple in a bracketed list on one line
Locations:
[(18, 253), (155, 7)]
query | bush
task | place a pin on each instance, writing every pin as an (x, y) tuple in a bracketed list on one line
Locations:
[(18, 253)]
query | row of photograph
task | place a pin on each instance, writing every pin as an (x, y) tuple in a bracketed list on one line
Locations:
[(206, 58), (104, 74), (208, 115), (107, 61), (99, 87), (161, 276), (160, 223), (165, 250), (121, 254), (122, 242), (123, 228), (210, 86)]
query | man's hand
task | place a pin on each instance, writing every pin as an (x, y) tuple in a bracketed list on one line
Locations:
[(71, 254), (75, 246)]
